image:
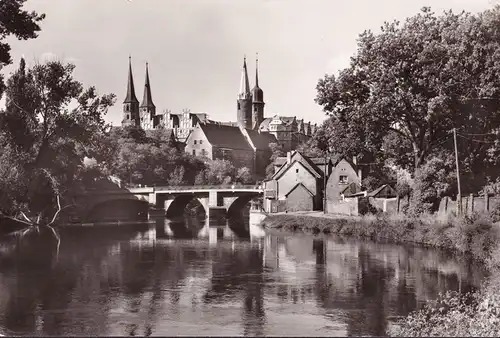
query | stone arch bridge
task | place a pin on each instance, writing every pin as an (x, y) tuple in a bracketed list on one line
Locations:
[(169, 201)]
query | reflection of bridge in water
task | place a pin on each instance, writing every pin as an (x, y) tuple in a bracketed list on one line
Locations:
[(192, 228), (167, 201)]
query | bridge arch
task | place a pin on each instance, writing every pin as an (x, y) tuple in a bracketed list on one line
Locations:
[(177, 206), (235, 209), (118, 208)]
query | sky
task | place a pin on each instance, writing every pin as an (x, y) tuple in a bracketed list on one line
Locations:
[(195, 48)]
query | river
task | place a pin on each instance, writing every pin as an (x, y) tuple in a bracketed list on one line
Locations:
[(171, 279)]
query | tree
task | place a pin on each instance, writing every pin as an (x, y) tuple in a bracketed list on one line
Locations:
[(244, 176), (216, 172), (413, 82), (176, 178), (48, 139), (14, 21), (276, 151), (148, 158), (311, 149)]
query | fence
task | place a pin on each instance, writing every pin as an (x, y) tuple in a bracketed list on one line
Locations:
[(470, 204)]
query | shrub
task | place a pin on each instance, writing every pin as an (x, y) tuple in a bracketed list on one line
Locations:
[(473, 314)]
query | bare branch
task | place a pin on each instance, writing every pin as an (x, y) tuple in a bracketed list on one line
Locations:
[(26, 218), (58, 211), (18, 220)]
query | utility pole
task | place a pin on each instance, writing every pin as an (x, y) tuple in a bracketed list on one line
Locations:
[(459, 197), (324, 183)]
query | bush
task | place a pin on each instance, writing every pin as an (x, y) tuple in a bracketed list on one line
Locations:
[(454, 315)]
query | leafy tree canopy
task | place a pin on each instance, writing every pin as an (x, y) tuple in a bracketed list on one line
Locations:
[(410, 84), (17, 22), (44, 136)]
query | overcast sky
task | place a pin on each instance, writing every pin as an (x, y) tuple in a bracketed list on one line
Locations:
[(195, 48)]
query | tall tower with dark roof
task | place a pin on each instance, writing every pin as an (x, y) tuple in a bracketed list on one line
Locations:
[(244, 100), (130, 104), (147, 109), (258, 100)]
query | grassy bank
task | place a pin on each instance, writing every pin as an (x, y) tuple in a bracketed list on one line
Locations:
[(452, 314)]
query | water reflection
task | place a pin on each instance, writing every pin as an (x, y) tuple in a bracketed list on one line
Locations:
[(231, 279)]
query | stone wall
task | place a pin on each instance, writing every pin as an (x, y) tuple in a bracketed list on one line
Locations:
[(350, 206)]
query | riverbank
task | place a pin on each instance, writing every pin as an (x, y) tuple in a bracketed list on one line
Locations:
[(477, 236), (451, 314)]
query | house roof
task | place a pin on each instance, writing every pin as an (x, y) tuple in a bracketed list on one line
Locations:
[(222, 136), (320, 160), (306, 164), (296, 186), (316, 160), (264, 125), (279, 161), (286, 120), (261, 140), (377, 191), (350, 186), (348, 160)]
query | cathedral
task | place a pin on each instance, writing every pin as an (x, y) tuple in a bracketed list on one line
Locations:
[(288, 131)]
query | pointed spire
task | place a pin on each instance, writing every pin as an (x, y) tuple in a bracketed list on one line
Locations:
[(130, 98), (257, 93), (244, 84), (147, 100), (257, 70)]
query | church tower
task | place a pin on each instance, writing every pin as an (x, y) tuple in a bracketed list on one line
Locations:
[(244, 100), (258, 100), (130, 104), (147, 108)]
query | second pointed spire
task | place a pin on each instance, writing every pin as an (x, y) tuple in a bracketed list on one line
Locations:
[(147, 100), (244, 83)]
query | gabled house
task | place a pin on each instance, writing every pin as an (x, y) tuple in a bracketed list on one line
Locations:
[(345, 179), (296, 186), (243, 147), (217, 141)]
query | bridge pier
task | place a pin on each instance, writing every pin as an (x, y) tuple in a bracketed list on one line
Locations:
[(216, 215)]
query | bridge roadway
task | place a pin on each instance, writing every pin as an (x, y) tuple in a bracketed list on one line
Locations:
[(171, 200)]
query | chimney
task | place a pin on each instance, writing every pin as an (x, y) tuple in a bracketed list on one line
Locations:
[(288, 157), (355, 160), (360, 174)]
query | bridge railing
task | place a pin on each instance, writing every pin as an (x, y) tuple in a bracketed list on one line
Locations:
[(145, 188), (209, 187)]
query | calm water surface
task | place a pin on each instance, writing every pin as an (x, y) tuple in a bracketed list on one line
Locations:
[(173, 279)]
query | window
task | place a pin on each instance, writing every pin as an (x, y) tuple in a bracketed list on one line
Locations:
[(194, 141), (296, 171), (203, 152), (194, 152), (343, 179), (201, 141)]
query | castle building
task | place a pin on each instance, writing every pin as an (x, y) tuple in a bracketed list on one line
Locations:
[(289, 132)]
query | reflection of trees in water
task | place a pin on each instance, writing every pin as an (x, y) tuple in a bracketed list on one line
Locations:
[(364, 281), (239, 274), (77, 294)]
